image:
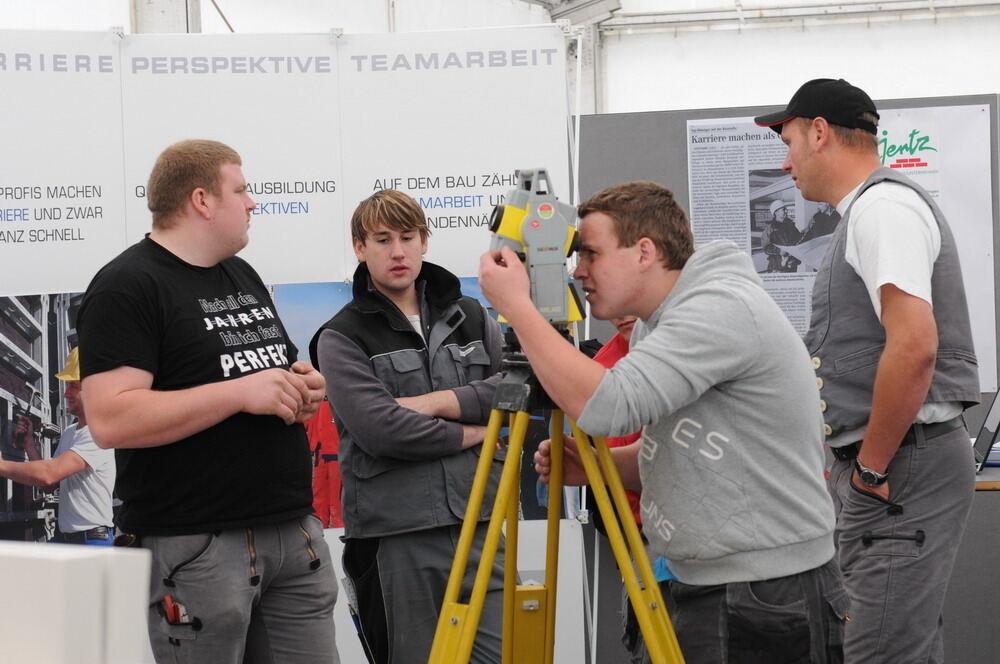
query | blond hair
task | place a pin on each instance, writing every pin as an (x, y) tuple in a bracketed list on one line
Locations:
[(389, 208), (182, 168)]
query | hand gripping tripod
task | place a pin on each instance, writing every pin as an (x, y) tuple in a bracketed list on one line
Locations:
[(529, 610)]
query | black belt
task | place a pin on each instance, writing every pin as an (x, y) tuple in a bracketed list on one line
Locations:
[(98, 533), (850, 452)]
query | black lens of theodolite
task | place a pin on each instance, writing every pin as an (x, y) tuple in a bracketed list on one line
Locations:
[(574, 244), (496, 218)]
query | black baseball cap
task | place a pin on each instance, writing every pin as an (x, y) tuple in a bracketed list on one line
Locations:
[(836, 100)]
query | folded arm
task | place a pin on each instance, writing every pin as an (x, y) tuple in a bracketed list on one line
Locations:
[(471, 403), (377, 422)]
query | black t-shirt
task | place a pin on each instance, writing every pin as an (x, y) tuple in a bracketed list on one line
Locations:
[(189, 326)]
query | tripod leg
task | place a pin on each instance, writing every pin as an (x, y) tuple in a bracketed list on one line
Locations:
[(552, 530), (653, 600), (474, 506), (452, 617), (510, 570), (529, 627), (457, 624), (647, 601)]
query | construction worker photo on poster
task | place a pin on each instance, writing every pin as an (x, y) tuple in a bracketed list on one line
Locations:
[(37, 333)]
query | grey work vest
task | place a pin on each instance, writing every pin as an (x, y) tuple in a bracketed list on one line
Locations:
[(846, 338), (386, 495)]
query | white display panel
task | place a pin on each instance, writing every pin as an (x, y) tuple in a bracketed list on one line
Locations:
[(448, 117), (945, 150), (81, 604), (60, 159), (273, 98), (320, 121)]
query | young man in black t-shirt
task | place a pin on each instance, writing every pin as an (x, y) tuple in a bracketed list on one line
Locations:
[(191, 376)]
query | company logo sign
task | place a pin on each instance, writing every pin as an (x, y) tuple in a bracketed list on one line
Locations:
[(912, 152)]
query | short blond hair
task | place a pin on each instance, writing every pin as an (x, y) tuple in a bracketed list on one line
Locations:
[(389, 208), (182, 168), (858, 139)]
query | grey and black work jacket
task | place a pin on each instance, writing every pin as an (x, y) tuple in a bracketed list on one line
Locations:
[(846, 338), (403, 471)]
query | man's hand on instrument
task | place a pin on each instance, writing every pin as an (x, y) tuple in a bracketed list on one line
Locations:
[(505, 283), (573, 473)]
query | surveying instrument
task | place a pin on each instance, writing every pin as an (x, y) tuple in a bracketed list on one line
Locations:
[(540, 230)]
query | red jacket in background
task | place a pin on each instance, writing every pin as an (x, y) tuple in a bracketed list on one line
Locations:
[(610, 353), (324, 443)]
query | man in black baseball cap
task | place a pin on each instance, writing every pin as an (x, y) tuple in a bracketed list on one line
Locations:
[(836, 100), (895, 368)]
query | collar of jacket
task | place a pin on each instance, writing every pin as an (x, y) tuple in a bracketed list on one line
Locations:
[(435, 285)]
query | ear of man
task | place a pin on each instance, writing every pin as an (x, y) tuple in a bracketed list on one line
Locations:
[(649, 254), (199, 202), (819, 134)]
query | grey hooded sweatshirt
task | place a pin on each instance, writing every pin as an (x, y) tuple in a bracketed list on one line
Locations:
[(731, 456)]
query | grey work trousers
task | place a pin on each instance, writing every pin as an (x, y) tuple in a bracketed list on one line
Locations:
[(632, 637), (261, 595), (897, 556), (400, 582), (795, 619)]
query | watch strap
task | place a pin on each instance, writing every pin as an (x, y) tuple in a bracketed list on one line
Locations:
[(869, 477)]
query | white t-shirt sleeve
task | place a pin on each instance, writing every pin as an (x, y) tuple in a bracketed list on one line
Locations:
[(95, 457), (892, 238)]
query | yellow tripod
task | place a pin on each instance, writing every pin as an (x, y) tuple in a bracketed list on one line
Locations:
[(529, 611)]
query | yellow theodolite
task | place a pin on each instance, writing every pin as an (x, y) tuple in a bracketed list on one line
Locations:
[(540, 230)]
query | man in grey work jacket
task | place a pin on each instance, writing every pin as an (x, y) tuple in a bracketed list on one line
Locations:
[(407, 361), (892, 348)]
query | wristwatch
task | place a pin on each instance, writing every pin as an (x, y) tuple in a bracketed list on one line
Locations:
[(869, 477)]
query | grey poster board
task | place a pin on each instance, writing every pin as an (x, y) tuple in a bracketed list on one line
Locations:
[(620, 147)]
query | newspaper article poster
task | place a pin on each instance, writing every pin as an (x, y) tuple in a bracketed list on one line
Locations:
[(738, 192)]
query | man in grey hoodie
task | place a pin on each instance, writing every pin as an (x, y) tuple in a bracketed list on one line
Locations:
[(730, 461)]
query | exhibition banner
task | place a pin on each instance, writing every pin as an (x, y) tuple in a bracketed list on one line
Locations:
[(321, 121), (273, 98), (739, 192), (61, 197), (448, 118)]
